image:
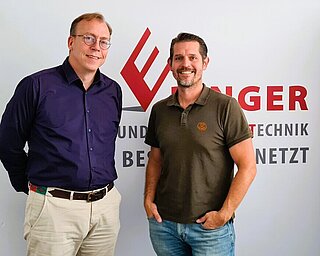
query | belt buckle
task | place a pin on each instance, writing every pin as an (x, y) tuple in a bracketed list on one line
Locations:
[(89, 197)]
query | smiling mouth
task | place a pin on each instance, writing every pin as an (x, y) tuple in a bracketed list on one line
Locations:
[(186, 72), (94, 57)]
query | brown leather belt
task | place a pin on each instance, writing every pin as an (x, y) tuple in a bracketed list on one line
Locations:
[(88, 196)]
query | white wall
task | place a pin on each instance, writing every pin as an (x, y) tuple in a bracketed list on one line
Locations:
[(257, 43)]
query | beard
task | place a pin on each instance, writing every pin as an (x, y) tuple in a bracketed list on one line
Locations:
[(184, 83)]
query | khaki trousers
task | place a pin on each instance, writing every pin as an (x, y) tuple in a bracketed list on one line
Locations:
[(63, 227)]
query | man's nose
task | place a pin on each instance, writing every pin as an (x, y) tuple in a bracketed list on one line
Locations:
[(96, 45)]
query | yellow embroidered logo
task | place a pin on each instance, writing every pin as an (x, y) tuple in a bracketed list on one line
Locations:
[(202, 126)]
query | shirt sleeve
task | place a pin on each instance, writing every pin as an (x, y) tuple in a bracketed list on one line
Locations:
[(151, 139), (236, 127), (119, 103), (14, 132)]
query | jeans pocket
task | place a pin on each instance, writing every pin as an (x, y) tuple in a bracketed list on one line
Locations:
[(220, 231), (219, 241)]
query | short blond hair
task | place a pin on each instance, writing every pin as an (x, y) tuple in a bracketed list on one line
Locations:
[(88, 17)]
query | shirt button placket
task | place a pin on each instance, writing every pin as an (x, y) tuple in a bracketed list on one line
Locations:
[(89, 130)]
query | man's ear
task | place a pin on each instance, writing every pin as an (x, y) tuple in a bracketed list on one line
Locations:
[(169, 62), (205, 63), (70, 42)]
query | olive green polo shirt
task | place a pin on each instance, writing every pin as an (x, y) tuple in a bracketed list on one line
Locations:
[(197, 167)]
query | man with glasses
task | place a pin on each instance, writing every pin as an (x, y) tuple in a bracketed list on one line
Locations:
[(69, 116)]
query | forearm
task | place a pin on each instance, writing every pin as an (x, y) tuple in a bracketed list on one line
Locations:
[(152, 177), (243, 156), (153, 172), (12, 153), (15, 164), (237, 191), (19, 183)]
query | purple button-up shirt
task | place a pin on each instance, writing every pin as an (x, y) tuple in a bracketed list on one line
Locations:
[(70, 132)]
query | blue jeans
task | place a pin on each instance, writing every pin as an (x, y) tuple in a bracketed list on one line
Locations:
[(171, 238)]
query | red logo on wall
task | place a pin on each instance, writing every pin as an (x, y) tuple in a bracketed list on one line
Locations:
[(135, 77)]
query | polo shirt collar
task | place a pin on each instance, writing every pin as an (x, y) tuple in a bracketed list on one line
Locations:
[(202, 99)]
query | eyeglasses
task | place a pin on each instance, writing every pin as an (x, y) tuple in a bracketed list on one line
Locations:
[(91, 40)]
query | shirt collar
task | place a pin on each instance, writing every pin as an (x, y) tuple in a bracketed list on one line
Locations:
[(202, 99), (72, 76)]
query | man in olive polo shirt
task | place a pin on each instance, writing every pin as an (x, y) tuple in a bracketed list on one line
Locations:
[(196, 136)]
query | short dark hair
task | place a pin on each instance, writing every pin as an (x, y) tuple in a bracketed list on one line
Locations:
[(187, 37), (88, 17)]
